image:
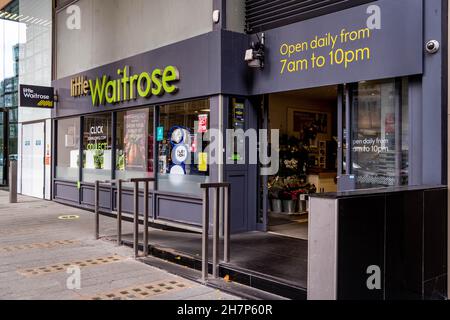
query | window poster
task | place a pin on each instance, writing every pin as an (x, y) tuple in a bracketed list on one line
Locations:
[(159, 134), (202, 123), (136, 140), (203, 162), (238, 115), (97, 143)]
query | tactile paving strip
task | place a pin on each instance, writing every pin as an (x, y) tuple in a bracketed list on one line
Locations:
[(62, 267), (33, 246), (143, 292)]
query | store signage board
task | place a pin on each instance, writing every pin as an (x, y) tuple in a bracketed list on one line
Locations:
[(379, 40), (187, 69), (105, 90), (36, 97)]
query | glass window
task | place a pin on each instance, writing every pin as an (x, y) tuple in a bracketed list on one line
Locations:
[(134, 146), (68, 153), (380, 133), (97, 147), (182, 163)]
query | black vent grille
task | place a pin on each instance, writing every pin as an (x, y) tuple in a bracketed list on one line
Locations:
[(262, 15)]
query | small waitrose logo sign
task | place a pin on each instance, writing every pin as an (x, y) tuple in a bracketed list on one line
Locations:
[(103, 90), (37, 97)]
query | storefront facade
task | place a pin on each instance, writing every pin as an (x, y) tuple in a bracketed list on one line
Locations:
[(207, 75), (370, 88)]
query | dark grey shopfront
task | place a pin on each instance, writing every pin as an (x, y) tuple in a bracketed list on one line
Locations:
[(199, 64), (211, 67), (333, 50)]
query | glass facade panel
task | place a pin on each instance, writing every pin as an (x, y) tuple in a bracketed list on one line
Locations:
[(380, 133), (68, 149), (97, 148), (11, 38), (35, 52), (182, 164), (135, 144)]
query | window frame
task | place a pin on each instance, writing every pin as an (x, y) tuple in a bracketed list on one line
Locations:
[(56, 148), (114, 116)]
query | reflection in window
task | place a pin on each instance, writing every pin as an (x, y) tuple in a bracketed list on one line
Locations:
[(135, 142), (182, 163), (380, 133), (68, 160), (97, 151)]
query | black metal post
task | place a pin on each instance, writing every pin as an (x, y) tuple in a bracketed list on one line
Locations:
[(216, 231), (205, 235), (97, 209), (226, 225), (119, 212), (146, 207), (136, 220)]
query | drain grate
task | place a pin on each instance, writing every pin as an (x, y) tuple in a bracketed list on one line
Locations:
[(143, 292), (62, 267), (33, 246)]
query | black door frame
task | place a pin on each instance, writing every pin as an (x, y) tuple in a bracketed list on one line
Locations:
[(5, 160)]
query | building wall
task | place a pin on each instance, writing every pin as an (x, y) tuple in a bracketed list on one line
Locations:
[(115, 29), (235, 15)]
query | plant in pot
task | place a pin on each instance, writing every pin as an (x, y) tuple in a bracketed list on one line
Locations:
[(289, 199), (275, 188)]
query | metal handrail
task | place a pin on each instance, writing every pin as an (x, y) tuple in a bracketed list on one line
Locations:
[(218, 187), (222, 191), (136, 182), (119, 206), (120, 182)]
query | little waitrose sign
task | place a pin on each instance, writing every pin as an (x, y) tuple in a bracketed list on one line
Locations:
[(103, 90), (36, 97)]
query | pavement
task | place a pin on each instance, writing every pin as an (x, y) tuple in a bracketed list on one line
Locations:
[(48, 252)]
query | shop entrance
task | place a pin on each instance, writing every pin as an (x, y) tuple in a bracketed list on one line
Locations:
[(308, 124)]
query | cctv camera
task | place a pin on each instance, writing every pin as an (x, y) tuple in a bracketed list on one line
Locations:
[(433, 46)]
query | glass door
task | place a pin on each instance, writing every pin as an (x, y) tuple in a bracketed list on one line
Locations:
[(374, 134)]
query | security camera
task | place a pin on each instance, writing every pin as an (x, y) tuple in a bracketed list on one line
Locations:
[(255, 56), (433, 46)]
